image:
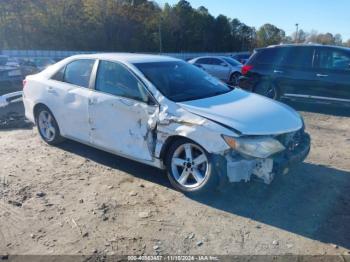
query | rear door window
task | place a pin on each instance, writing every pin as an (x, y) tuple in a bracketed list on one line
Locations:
[(333, 59), (78, 72), (59, 75)]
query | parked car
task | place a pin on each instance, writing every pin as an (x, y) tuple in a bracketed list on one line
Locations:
[(28, 67), (167, 113), (10, 75), (8, 61), (42, 63), (242, 58), (301, 72), (224, 68)]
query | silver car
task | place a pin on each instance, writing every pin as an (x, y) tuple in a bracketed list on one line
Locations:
[(224, 68)]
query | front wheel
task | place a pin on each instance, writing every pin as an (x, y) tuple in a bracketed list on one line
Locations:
[(268, 89), (189, 167)]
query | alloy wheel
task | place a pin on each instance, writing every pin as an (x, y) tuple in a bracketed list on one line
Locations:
[(267, 89), (46, 125), (189, 165), (234, 79)]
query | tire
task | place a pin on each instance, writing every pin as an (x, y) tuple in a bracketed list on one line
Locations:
[(47, 126), (183, 172), (268, 89), (234, 78)]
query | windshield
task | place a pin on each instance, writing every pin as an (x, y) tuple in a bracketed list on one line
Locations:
[(232, 61), (180, 81)]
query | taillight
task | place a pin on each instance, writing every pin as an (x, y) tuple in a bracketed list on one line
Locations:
[(246, 68), (24, 83)]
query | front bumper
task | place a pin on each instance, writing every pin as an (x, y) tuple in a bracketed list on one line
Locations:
[(241, 169), (293, 155)]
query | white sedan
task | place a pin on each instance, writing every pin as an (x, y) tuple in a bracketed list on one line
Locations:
[(166, 113)]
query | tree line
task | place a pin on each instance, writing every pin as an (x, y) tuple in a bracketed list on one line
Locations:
[(135, 26)]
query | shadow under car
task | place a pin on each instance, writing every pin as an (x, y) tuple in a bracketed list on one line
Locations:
[(312, 200)]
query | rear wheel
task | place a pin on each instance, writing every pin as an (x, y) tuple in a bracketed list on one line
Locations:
[(47, 126), (189, 167), (268, 89), (234, 78)]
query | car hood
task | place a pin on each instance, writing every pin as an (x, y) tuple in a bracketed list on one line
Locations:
[(249, 113)]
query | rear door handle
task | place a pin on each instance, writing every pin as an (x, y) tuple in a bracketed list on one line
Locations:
[(278, 71), (321, 75), (51, 90)]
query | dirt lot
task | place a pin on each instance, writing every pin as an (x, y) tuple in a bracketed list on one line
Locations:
[(74, 199)]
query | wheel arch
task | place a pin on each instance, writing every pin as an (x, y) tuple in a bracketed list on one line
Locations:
[(167, 144), (271, 81), (171, 140), (38, 106), (263, 78), (235, 72)]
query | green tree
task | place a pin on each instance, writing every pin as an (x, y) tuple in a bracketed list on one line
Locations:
[(326, 39), (133, 26), (243, 36), (347, 43), (269, 35), (222, 34)]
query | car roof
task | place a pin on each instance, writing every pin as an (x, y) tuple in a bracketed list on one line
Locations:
[(128, 57), (241, 54), (208, 56), (305, 45)]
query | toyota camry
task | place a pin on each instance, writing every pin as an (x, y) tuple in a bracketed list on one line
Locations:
[(167, 113)]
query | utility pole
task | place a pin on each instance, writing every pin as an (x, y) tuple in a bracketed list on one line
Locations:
[(296, 33), (160, 34)]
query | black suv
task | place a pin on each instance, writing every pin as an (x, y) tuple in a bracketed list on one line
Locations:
[(309, 72)]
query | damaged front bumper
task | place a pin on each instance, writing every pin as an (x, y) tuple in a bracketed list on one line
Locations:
[(239, 168)]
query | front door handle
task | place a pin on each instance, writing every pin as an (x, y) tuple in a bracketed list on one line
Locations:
[(278, 71), (321, 75), (126, 102), (92, 101)]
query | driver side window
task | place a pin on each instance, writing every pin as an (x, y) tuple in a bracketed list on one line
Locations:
[(113, 78)]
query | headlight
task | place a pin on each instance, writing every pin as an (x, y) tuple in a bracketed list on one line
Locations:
[(260, 147)]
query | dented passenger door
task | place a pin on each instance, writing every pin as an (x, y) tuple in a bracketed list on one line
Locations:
[(120, 110)]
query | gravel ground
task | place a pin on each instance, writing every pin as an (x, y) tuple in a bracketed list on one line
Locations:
[(74, 199)]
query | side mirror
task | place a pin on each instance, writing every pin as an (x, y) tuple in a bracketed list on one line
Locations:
[(223, 64)]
